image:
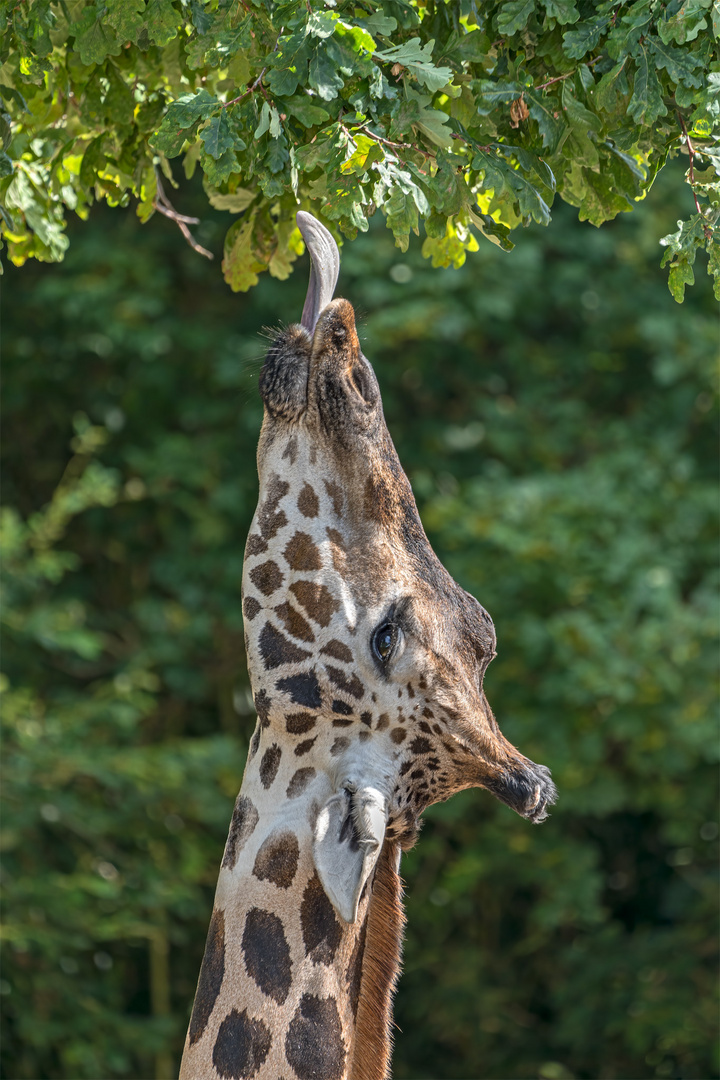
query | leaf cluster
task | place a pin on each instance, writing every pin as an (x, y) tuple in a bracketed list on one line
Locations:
[(466, 118)]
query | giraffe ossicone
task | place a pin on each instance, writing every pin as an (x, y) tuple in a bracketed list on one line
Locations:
[(366, 662)]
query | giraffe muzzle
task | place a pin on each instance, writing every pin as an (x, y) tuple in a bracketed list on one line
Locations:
[(524, 786)]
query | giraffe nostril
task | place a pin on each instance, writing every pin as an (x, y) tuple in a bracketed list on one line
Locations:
[(360, 379)]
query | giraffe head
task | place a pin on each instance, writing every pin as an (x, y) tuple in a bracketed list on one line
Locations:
[(367, 660)]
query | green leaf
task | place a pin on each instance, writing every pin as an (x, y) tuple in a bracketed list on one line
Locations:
[(681, 65), (161, 21), (119, 104), (542, 110), (269, 121), (402, 217), (681, 274), (492, 230), (580, 42), (450, 192), (93, 40), (276, 156), (217, 136), (367, 152), (127, 18), (378, 23), (240, 265), (564, 11), (308, 114), (219, 170), (646, 104), (185, 113), (235, 202), (324, 77), (93, 160), (321, 24), (514, 15), (611, 87), (190, 107), (417, 112), (417, 58), (582, 123), (685, 24)]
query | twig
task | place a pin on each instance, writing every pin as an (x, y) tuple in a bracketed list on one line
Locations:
[(250, 90), (393, 145), (559, 78), (471, 142), (163, 205), (691, 171)]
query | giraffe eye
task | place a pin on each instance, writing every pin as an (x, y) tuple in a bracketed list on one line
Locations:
[(385, 641)]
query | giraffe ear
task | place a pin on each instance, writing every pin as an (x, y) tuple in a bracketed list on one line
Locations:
[(349, 834)]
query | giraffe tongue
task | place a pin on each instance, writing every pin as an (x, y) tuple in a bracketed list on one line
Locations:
[(324, 267)]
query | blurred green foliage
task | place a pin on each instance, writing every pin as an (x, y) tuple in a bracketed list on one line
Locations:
[(556, 414)]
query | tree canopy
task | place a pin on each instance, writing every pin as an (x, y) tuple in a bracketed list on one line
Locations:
[(468, 118)]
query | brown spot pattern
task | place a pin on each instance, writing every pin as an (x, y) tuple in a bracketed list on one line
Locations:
[(267, 577), (290, 450), (277, 859), (314, 1045), (294, 622), (350, 685), (398, 735), (304, 689), (301, 553), (299, 723), (250, 607), (270, 519), (305, 746), (338, 651), (267, 954), (277, 650), (420, 745), (245, 818), (255, 545), (211, 977), (262, 707), (336, 496), (316, 600), (299, 782), (308, 502), (321, 930), (269, 764), (241, 1047)]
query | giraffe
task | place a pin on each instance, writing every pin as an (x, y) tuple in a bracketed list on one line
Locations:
[(366, 662)]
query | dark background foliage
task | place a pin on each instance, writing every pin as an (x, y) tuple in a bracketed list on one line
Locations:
[(555, 412)]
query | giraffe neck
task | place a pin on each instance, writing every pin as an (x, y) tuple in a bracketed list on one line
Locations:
[(287, 988)]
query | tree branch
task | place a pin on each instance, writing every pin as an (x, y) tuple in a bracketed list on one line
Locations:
[(163, 205), (691, 172)]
